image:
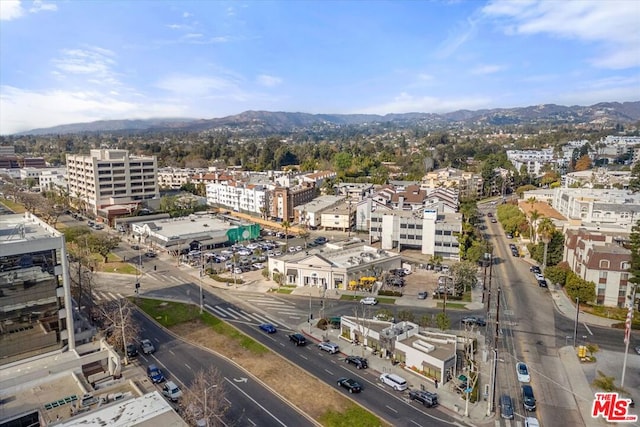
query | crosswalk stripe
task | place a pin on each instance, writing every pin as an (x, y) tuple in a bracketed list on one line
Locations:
[(264, 319), (271, 320), (296, 317), (238, 313), (267, 301), (113, 297), (120, 296), (96, 295), (286, 311), (219, 311)]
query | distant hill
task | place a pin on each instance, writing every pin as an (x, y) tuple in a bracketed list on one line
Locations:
[(267, 122)]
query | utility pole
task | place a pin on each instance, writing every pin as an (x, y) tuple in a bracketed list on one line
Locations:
[(575, 325), (495, 338)]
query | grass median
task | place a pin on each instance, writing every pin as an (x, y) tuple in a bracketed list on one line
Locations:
[(317, 399)]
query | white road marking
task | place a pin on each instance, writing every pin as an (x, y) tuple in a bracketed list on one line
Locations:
[(238, 313), (217, 311), (254, 401), (188, 367), (328, 372), (304, 357), (587, 328), (390, 408)]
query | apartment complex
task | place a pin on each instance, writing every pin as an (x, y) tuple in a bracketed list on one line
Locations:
[(111, 177), (238, 196), (532, 160), (36, 315), (468, 185), (596, 257)]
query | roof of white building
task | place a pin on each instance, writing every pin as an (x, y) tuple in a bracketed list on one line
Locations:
[(319, 204), (20, 227)]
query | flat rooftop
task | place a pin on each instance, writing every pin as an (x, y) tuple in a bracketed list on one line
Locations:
[(344, 257), (22, 227), (194, 225)]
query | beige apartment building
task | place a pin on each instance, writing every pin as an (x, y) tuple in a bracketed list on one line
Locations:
[(111, 177), (469, 185)]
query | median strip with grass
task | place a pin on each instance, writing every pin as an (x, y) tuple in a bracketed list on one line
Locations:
[(317, 399)]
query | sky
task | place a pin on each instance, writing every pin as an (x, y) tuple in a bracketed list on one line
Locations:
[(78, 61)]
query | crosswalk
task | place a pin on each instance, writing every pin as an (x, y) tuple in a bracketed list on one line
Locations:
[(275, 308), (165, 278), (100, 296), (508, 423)]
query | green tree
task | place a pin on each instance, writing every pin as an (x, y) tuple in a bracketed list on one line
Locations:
[(425, 320), (443, 321), (534, 216), (103, 244), (634, 269), (464, 275), (546, 229), (384, 314), (558, 273), (406, 316), (580, 289), (634, 182), (286, 225)]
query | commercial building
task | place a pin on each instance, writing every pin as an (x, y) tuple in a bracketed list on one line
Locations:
[(431, 232), (310, 213), (36, 311), (111, 177), (333, 266)]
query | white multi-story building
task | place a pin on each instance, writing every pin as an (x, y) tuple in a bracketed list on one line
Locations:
[(238, 196), (110, 177), (597, 178), (432, 232), (619, 207), (532, 160), (175, 178), (468, 185)]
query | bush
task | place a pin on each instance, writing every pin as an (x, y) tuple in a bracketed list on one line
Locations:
[(390, 293), (322, 324)]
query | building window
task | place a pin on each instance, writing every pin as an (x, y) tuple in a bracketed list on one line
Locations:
[(625, 265), (604, 263), (438, 232), (403, 236), (447, 232), (403, 225)]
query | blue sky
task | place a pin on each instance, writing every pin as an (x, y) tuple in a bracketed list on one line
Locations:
[(80, 61)]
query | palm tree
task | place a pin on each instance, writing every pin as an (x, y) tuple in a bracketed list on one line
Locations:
[(286, 225), (545, 231), (532, 201), (534, 216)]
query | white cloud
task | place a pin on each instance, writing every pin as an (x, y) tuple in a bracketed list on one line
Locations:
[(487, 69), (187, 15), (407, 103), (193, 36), (184, 86), (613, 24), (39, 5), (95, 62), (10, 9), (268, 81), (25, 110), (457, 37), (175, 26)]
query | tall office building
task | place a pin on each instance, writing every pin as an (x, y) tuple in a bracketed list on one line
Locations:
[(111, 177), (35, 294)]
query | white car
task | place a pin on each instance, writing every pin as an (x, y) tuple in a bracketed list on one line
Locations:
[(523, 372), (531, 422), (539, 277), (369, 301)]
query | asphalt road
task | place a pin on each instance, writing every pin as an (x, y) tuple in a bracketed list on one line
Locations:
[(250, 403)]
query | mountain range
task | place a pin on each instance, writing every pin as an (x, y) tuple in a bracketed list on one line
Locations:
[(266, 122)]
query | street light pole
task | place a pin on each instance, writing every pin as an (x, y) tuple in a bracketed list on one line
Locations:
[(206, 419), (575, 326)]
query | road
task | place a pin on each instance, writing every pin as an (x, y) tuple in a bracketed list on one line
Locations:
[(250, 403)]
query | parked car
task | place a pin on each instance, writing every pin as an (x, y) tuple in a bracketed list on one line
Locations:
[(531, 422), (422, 295), (150, 254), (329, 347), (298, 339), (472, 320), (637, 349), (543, 283), (427, 398), (155, 374), (528, 400), (509, 236), (172, 391), (539, 276), (132, 350), (523, 372), (357, 361), (394, 381), (147, 346), (135, 247), (369, 301), (535, 269), (350, 384), (320, 240), (268, 328)]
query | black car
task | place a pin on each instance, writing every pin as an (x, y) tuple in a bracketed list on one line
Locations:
[(542, 283), (298, 339), (427, 398), (528, 400), (359, 362), (132, 350), (150, 255), (471, 320), (350, 384), (535, 269)]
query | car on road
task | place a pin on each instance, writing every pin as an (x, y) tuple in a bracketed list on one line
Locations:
[(135, 247), (509, 236), (535, 269), (531, 422), (422, 295), (394, 381), (147, 346), (329, 347), (528, 400), (150, 254), (472, 320), (155, 374), (539, 276), (350, 384), (523, 372), (320, 240), (427, 398), (637, 349), (172, 391), (298, 339), (357, 361), (506, 407), (268, 328), (132, 350), (368, 301), (543, 283), (493, 220)]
